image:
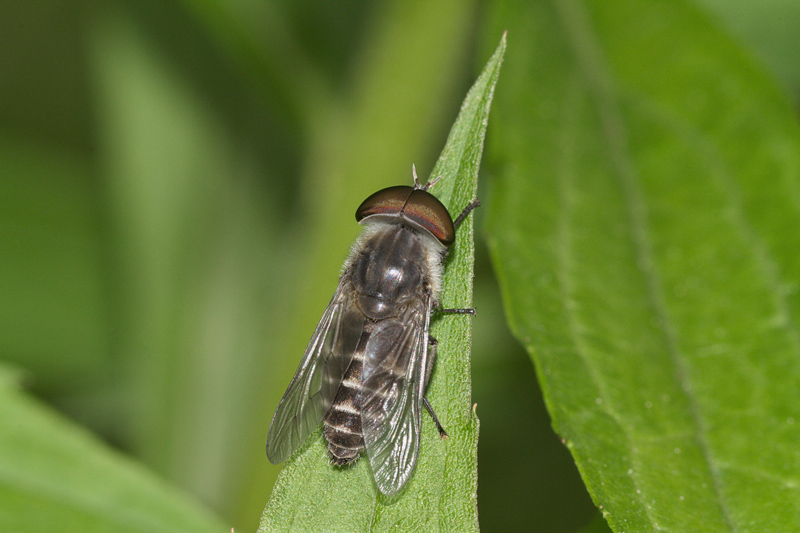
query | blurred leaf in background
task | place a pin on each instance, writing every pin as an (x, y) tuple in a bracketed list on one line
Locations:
[(177, 186), (55, 476)]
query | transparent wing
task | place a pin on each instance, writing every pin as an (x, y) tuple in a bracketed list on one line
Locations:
[(318, 377), (391, 396)]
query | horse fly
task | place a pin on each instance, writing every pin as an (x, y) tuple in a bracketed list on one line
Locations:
[(366, 369)]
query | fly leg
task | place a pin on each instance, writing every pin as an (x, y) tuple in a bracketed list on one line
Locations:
[(428, 369), (432, 357), (460, 218), (459, 311), (442, 433)]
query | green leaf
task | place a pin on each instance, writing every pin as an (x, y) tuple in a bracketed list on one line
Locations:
[(188, 252), (770, 27), (643, 227), (310, 493), (52, 294), (194, 265), (56, 477)]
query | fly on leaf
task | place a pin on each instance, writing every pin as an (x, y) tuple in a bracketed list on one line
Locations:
[(366, 369)]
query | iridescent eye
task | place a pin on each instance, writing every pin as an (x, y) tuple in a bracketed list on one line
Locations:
[(418, 207), (427, 211), (389, 201)]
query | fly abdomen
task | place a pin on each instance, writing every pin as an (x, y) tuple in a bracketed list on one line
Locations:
[(342, 423)]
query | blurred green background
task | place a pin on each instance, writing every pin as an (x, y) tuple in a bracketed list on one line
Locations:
[(178, 182)]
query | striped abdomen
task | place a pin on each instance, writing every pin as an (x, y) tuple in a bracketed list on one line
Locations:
[(342, 423)]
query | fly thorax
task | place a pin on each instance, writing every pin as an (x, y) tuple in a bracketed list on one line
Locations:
[(390, 269)]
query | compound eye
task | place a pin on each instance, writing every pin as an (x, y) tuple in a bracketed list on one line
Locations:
[(426, 211), (389, 201)]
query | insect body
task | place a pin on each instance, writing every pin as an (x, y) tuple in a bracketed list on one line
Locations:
[(367, 366)]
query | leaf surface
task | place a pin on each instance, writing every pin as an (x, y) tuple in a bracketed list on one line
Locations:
[(56, 477), (643, 226)]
